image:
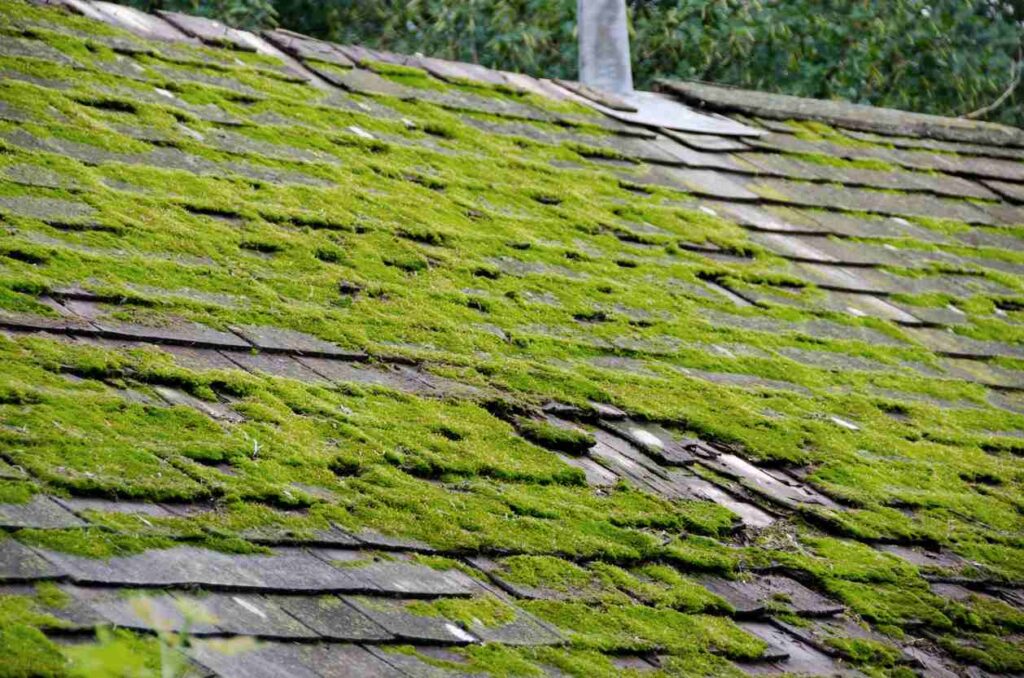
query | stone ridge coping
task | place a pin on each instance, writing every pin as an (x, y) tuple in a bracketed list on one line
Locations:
[(842, 113)]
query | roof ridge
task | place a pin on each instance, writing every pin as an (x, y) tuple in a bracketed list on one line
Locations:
[(862, 117)]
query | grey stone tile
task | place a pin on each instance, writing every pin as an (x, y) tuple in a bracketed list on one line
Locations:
[(1011, 191), (629, 462), (18, 562), (1010, 401), (412, 665), (215, 410), (235, 142), (343, 661), (12, 113), (248, 615), (960, 148), (35, 175), (284, 570), (750, 515), (211, 32), (142, 24), (743, 597), (394, 616), (861, 226), (332, 618), (982, 372), (34, 49), (775, 485), (707, 142), (266, 660), (524, 630), (280, 339), (142, 610), (39, 512), (330, 537), (307, 48), (790, 167), (820, 632), (74, 613), (388, 541), (653, 439), (50, 210), (1013, 596), (794, 595), (932, 665), (794, 655), (833, 360), (176, 332), (412, 579), (866, 200), (363, 81), (701, 182), (925, 559), (949, 343), (277, 365), (596, 474), (199, 359), (80, 505), (398, 574), (455, 71)]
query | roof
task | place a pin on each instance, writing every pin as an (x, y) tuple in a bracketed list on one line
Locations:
[(401, 366)]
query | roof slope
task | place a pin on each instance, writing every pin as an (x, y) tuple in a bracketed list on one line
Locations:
[(406, 367)]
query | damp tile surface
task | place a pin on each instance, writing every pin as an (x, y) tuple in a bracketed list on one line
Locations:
[(398, 366)]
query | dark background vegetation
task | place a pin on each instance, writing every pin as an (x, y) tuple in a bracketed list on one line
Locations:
[(949, 57)]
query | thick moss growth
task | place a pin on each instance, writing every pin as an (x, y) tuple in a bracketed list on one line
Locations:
[(491, 252)]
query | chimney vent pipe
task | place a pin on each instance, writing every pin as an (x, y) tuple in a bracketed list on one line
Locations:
[(604, 61)]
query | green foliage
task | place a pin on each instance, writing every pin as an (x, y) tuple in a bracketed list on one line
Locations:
[(947, 57)]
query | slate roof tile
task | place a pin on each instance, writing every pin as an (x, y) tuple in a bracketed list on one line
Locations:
[(393, 615), (18, 563), (40, 511)]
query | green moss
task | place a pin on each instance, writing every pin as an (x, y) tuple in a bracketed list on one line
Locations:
[(553, 437), (52, 596), (702, 554), (544, 571), (442, 564), (116, 653), (865, 652), (661, 586), (28, 653), (999, 655), (484, 610), (833, 161), (16, 491), (92, 543), (636, 628), (503, 260), (892, 606), (100, 543)]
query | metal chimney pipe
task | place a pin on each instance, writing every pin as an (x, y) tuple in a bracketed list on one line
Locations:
[(604, 61)]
